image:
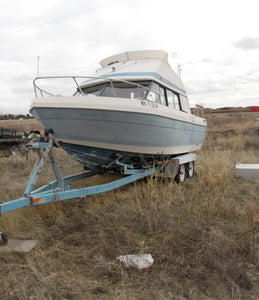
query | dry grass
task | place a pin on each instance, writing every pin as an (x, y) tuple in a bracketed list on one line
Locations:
[(202, 234), (22, 125)]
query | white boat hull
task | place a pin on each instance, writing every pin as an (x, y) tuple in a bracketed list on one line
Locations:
[(93, 129)]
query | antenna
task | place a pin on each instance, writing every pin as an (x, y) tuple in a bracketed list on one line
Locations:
[(179, 70), (38, 67)]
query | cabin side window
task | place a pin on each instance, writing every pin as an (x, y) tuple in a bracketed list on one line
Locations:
[(173, 100), (185, 104), (154, 93), (162, 95)]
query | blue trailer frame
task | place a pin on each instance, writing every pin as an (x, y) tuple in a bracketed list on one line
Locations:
[(59, 189)]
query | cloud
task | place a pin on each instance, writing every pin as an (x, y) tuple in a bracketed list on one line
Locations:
[(247, 43), (72, 36), (207, 60), (175, 54)]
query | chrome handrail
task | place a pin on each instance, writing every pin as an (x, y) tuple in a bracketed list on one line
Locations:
[(40, 90)]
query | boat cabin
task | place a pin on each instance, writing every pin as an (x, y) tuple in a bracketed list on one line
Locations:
[(143, 90), (147, 74)]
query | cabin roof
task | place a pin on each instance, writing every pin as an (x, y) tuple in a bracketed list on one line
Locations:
[(141, 65), (134, 55)]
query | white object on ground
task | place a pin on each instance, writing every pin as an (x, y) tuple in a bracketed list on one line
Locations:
[(140, 261), (18, 245)]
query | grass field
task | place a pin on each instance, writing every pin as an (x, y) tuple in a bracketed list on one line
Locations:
[(22, 125), (203, 234)]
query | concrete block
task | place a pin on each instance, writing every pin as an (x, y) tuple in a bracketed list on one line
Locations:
[(248, 171)]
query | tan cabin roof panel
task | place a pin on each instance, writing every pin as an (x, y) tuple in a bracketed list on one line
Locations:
[(134, 55)]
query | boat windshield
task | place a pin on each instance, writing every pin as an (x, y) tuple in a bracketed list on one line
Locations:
[(126, 90), (94, 90), (131, 90)]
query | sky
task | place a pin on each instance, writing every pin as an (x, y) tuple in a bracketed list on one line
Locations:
[(216, 43)]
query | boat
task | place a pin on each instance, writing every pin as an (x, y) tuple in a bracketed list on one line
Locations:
[(134, 109)]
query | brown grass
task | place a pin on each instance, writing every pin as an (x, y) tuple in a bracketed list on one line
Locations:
[(22, 125), (203, 234)]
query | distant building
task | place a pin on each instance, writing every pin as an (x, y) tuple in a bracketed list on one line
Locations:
[(254, 108)]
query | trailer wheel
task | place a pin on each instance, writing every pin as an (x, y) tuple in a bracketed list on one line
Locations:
[(3, 239), (180, 177), (190, 169)]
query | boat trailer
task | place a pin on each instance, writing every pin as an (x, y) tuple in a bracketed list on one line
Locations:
[(59, 189)]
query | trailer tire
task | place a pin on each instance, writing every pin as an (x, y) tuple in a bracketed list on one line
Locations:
[(180, 176), (190, 169), (3, 239)]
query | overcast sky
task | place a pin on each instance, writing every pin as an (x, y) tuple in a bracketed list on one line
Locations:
[(215, 42)]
